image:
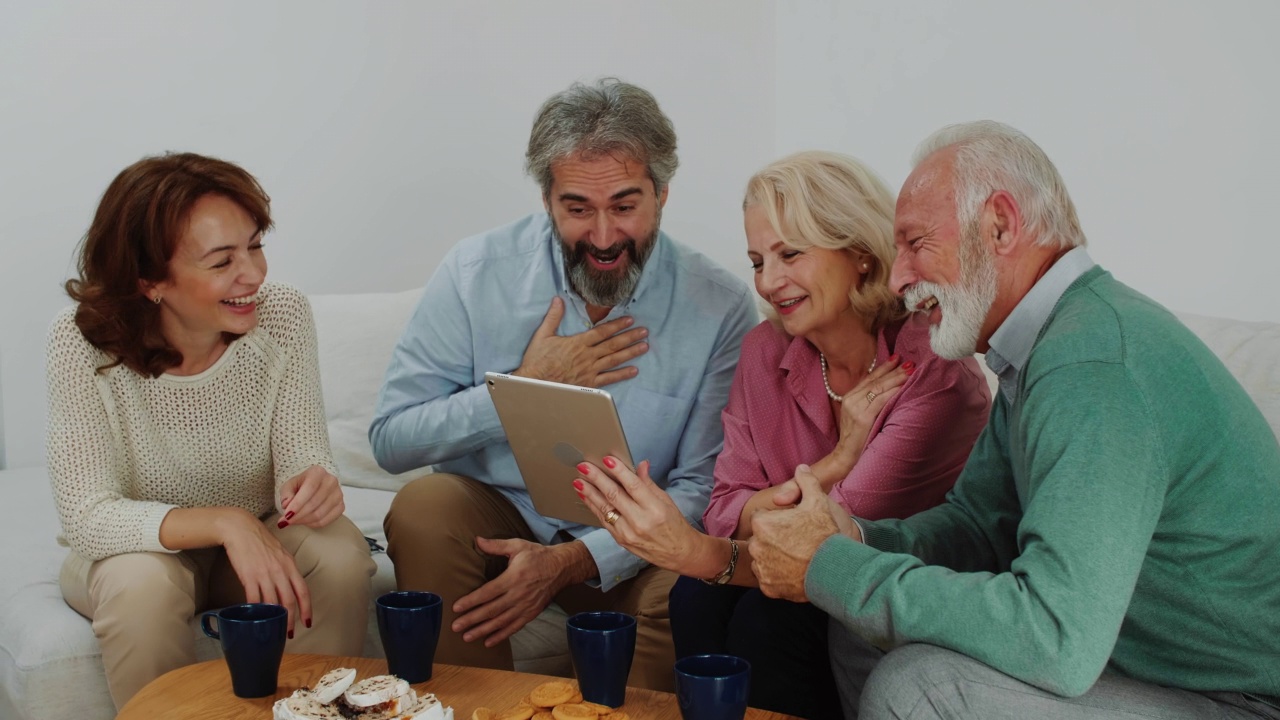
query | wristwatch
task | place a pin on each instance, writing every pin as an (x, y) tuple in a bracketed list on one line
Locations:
[(727, 573)]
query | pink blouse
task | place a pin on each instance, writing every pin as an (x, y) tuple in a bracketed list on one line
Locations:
[(778, 417)]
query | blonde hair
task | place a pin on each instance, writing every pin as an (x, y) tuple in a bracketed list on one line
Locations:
[(828, 200)]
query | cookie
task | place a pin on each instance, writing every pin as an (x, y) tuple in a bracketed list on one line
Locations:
[(518, 712), (543, 715), (600, 709), (551, 694), (573, 711), (615, 715), (482, 713)]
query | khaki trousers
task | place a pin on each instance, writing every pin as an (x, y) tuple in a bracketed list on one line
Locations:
[(431, 530), (141, 604)]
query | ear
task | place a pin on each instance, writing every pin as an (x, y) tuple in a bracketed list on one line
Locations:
[(148, 289), (861, 260), (1002, 222), (662, 196)]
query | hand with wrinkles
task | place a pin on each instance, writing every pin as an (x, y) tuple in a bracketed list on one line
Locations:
[(589, 359), (535, 573)]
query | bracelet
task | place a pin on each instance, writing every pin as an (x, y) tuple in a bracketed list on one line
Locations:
[(727, 573)]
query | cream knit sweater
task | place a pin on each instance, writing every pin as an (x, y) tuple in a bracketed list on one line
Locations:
[(124, 449)]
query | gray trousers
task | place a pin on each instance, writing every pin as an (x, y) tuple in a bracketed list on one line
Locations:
[(921, 682)]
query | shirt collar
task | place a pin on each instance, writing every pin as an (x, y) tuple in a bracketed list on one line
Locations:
[(1012, 342)]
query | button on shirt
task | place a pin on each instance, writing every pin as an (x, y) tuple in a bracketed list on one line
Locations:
[(477, 315)]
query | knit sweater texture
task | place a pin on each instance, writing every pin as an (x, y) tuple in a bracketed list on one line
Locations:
[(1122, 512), (124, 449)]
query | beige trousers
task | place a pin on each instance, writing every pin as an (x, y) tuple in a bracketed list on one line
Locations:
[(141, 604), (431, 530)]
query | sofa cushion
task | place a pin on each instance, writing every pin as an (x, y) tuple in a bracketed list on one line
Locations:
[(356, 336), (50, 666)]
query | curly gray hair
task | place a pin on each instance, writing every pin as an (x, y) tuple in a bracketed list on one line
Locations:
[(609, 116)]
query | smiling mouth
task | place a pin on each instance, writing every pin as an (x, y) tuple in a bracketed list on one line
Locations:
[(241, 301), (788, 303), (927, 304)]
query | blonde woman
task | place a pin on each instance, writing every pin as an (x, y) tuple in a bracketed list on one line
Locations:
[(838, 378)]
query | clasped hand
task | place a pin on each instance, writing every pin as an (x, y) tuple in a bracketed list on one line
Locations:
[(784, 541)]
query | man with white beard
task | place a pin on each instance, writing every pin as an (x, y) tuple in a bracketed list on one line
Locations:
[(590, 293), (1111, 549)]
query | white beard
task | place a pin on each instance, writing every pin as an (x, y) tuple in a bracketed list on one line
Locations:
[(965, 304)]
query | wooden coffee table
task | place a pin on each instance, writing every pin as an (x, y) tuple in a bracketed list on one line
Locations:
[(203, 691)]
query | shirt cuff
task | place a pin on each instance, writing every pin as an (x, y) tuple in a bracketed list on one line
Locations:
[(614, 564)]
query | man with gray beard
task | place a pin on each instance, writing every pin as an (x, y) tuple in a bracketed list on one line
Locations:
[(590, 293), (1111, 548)]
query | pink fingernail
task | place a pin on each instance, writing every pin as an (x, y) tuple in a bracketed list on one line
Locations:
[(577, 485), (911, 371), (582, 468), (610, 463), (282, 524), (893, 358), (908, 365)]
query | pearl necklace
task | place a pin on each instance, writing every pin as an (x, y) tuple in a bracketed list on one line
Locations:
[(822, 359)]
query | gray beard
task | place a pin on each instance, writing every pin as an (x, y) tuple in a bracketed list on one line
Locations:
[(964, 305), (605, 288)]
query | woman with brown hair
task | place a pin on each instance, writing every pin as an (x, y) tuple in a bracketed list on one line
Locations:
[(186, 443)]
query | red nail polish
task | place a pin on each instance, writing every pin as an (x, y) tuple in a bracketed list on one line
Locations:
[(290, 634), (610, 463), (582, 468), (289, 515), (308, 622), (282, 524), (908, 365), (577, 485), (911, 371), (893, 358)]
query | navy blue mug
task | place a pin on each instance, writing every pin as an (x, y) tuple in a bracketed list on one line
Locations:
[(252, 637), (602, 645), (409, 624), (712, 687)]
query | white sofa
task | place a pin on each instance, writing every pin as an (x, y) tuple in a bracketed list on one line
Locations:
[(49, 661), (50, 666)]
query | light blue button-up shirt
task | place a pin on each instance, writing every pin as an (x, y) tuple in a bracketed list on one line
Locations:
[(1012, 342), (477, 315)]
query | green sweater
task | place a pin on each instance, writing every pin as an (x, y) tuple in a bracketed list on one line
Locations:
[(1122, 511)]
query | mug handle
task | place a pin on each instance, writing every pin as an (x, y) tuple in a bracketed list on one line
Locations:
[(207, 627)]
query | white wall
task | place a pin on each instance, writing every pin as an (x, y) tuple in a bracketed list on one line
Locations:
[(384, 132), (1161, 116)]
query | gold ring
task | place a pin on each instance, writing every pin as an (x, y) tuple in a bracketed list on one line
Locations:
[(612, 516), (871, 395)]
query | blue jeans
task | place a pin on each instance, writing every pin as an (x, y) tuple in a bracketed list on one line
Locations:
[(785, 642)]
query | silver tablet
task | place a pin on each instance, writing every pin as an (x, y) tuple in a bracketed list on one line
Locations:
[(552, 427)]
